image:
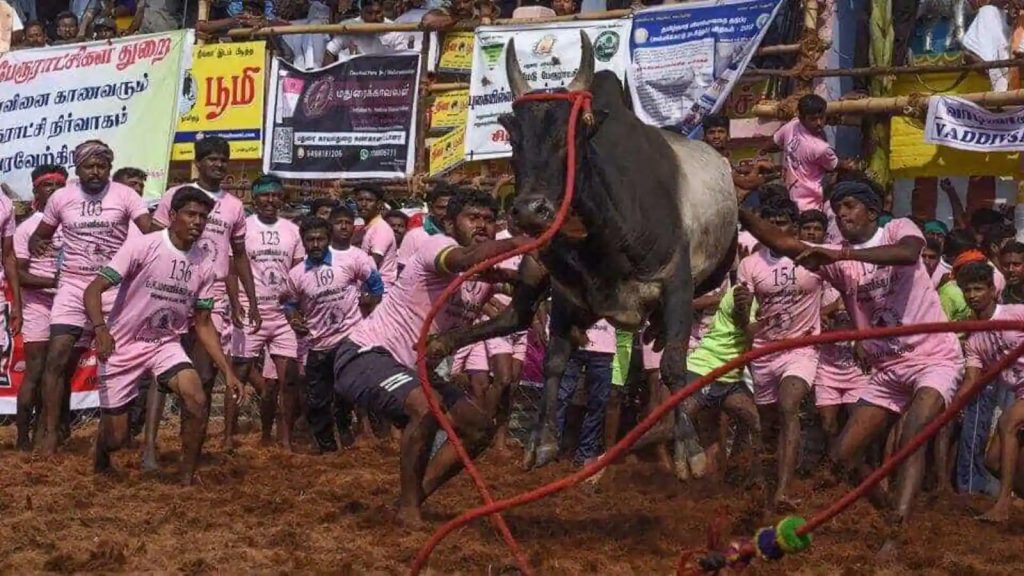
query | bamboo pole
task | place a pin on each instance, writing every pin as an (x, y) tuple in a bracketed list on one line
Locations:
[(889, 70), (448, 86), (912, 105)]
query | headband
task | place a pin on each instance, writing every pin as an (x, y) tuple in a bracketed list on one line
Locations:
[(859, 191), (267, 187), (93, 148), (55, 177)]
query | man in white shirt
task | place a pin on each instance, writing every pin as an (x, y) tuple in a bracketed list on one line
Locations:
[(345, 46), (10, 24)]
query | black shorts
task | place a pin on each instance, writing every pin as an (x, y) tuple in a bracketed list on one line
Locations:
[(373, 379), (713, 395)]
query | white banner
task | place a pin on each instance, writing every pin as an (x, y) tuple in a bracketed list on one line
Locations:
[(124, 92), (957, 123), (687, 57), (549, 55)]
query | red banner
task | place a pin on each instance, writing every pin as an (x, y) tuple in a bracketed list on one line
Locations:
[(12, 363)]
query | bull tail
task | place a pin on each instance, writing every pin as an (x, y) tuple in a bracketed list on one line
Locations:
[(717, 276)]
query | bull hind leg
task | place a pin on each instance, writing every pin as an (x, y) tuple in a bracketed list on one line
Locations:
[(543, 446)]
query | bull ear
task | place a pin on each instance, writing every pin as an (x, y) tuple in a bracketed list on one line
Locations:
[(585, 74), (516, 81)]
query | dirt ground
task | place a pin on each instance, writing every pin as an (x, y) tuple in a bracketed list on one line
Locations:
[(263, 510)]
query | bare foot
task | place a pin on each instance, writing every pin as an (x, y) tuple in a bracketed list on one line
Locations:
[(999, 514), (698, 464), (782, 504), (682, 467), (409, 517), (149, 463)]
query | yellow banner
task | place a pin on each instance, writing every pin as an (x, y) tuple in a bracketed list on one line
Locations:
[(449, 110), (457, 53), (447, 151), (912, 157), (225, 90)]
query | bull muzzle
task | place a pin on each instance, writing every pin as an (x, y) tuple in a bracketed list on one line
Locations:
[(533, 214)]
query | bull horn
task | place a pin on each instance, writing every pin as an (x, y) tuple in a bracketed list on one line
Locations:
[(516, 81), (585, 74)]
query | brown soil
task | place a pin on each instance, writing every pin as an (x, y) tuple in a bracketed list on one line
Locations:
[(262, 510)]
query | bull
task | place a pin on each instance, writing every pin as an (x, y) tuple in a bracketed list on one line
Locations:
[(652, 224)]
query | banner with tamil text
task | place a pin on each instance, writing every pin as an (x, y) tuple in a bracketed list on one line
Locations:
[(957, 123), (224, 92), (685, 58), (354, 119), (123, 92), (549, 55)]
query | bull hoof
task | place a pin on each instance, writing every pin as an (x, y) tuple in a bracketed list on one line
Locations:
[(539, 455), (698, 465), (682, 468)]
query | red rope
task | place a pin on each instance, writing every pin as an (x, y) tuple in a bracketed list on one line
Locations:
[(647, 423), (579, 100)]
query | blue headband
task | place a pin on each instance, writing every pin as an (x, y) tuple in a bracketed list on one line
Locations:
[(859, 191)]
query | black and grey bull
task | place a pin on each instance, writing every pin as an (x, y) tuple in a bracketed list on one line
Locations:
[(652, 223)]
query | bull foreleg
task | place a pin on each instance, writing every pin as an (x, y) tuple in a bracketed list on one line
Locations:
[(677, 320), (543, 446)]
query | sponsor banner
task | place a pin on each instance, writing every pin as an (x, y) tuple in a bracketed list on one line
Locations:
[(223, 96), (686, 58), (957, 123), (456, 53), (123, 92), (448, 110), (354, 119), (446, 152), (549, 55)]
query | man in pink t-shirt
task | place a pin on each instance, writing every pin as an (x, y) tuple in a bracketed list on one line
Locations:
[(881, 279), (166, 284), (274, 247), (981, 351), (789, 298), (437, 205), (374, 365), (378, 239), (807, 155), (93, 214), (594, 360), (223, 242), (38, 277), (324, 290)]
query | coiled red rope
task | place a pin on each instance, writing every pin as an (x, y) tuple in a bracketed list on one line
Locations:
[(659, 412), (579, 100)]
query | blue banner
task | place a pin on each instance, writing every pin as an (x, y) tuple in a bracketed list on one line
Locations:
[(687, 57)]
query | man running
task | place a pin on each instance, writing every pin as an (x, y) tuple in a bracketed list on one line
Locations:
[(93, 214), (326, 290), (982, 350), (790, 302), (223, 242), (879, 274), (274, 247), (378, 239), (38, 277), (166, 283), (374, 365)]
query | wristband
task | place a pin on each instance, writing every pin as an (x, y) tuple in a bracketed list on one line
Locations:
[(98, 326)]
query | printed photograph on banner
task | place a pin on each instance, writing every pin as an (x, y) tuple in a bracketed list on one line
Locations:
[(446, 152), (456, 53), (448, 110), (122, 91), (549, 55), (686, 58), (353, 119), (222, 95)]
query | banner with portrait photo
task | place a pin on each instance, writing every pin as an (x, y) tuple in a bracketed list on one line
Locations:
[(354, 119), (122, 91), (685, 58), (549, 55)]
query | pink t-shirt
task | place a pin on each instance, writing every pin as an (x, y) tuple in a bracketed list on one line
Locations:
[(510, 264), (878, 296), (379, 239), (328, 295), (837, 365), (702, 319), (273, 250), (941, 270), (94, 226), (808, 158), (395, 323), (983, 349), (747, 241), (160, 286), (44, 266), (225, 223), (410, 244), (6, 226), (601, 338), (788, 296)]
